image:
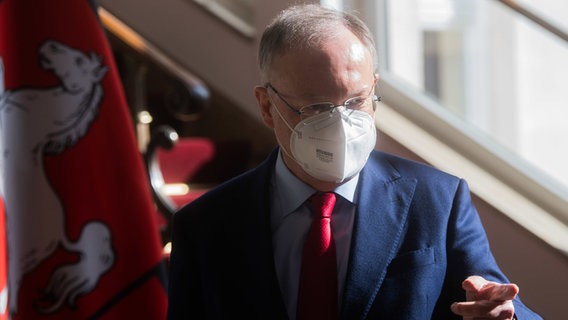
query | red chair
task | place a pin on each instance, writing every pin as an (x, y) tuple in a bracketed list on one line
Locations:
[(182, 162)]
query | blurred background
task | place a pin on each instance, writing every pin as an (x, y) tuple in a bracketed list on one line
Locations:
[(476, 88)]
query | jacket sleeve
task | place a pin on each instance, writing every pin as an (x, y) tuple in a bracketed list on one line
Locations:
[(184, 285), (469, 252)]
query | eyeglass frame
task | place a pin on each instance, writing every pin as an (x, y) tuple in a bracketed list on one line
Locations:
[(331, 106)]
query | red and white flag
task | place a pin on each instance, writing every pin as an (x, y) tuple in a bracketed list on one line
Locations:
[(81, 229), (3, 260)]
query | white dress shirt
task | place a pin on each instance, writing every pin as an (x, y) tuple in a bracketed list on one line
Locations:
[(290, 222)]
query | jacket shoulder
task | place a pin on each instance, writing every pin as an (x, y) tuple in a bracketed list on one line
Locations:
[(409, 168), (241, 193)]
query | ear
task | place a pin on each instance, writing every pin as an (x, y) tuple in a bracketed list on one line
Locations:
[(376, 76), (264, 103)]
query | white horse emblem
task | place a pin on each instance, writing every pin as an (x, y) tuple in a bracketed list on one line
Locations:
[(35, 122)]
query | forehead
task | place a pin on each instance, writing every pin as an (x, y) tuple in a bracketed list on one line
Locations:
[(339, 64)]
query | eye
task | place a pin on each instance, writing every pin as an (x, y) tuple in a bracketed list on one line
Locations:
[(317, 108), (355, 103)]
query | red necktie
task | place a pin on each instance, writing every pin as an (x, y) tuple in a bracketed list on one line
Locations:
[(317, 295)]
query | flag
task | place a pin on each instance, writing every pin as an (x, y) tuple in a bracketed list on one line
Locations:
[(3, 259), (81, 230)]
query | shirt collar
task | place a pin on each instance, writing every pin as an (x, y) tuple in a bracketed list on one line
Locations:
[(293, 192)]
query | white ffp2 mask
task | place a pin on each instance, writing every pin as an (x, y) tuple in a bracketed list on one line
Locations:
[(333, 146)]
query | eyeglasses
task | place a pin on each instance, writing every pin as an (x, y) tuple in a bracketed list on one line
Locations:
[(355, 103)]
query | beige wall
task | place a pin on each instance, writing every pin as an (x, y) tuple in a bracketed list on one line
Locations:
[(209, 48)]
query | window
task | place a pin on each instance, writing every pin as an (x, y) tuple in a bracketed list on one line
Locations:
[(486, 64)]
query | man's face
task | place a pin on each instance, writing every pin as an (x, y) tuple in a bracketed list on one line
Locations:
[(341, 68)]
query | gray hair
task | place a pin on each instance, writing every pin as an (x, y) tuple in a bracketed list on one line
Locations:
[(307, 26)]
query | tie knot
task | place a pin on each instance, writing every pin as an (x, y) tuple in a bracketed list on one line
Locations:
[(323, 203)]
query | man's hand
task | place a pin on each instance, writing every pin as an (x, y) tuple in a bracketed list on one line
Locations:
[(486, 300)]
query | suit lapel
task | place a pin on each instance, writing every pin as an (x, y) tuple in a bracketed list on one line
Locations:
[(379, 226)]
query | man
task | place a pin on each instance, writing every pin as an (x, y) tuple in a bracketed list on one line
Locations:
[(406, 241)]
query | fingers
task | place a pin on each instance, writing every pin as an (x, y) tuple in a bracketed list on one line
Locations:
[(477, 288), (486, 299), (484, 309)]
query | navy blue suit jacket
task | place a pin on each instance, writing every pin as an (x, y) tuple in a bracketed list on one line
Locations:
[(416, 237)]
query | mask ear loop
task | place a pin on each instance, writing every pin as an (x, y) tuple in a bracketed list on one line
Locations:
[(376, 97), (281, 117), (292, 130)]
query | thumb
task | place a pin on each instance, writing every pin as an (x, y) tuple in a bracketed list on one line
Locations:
[(472, 286)]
